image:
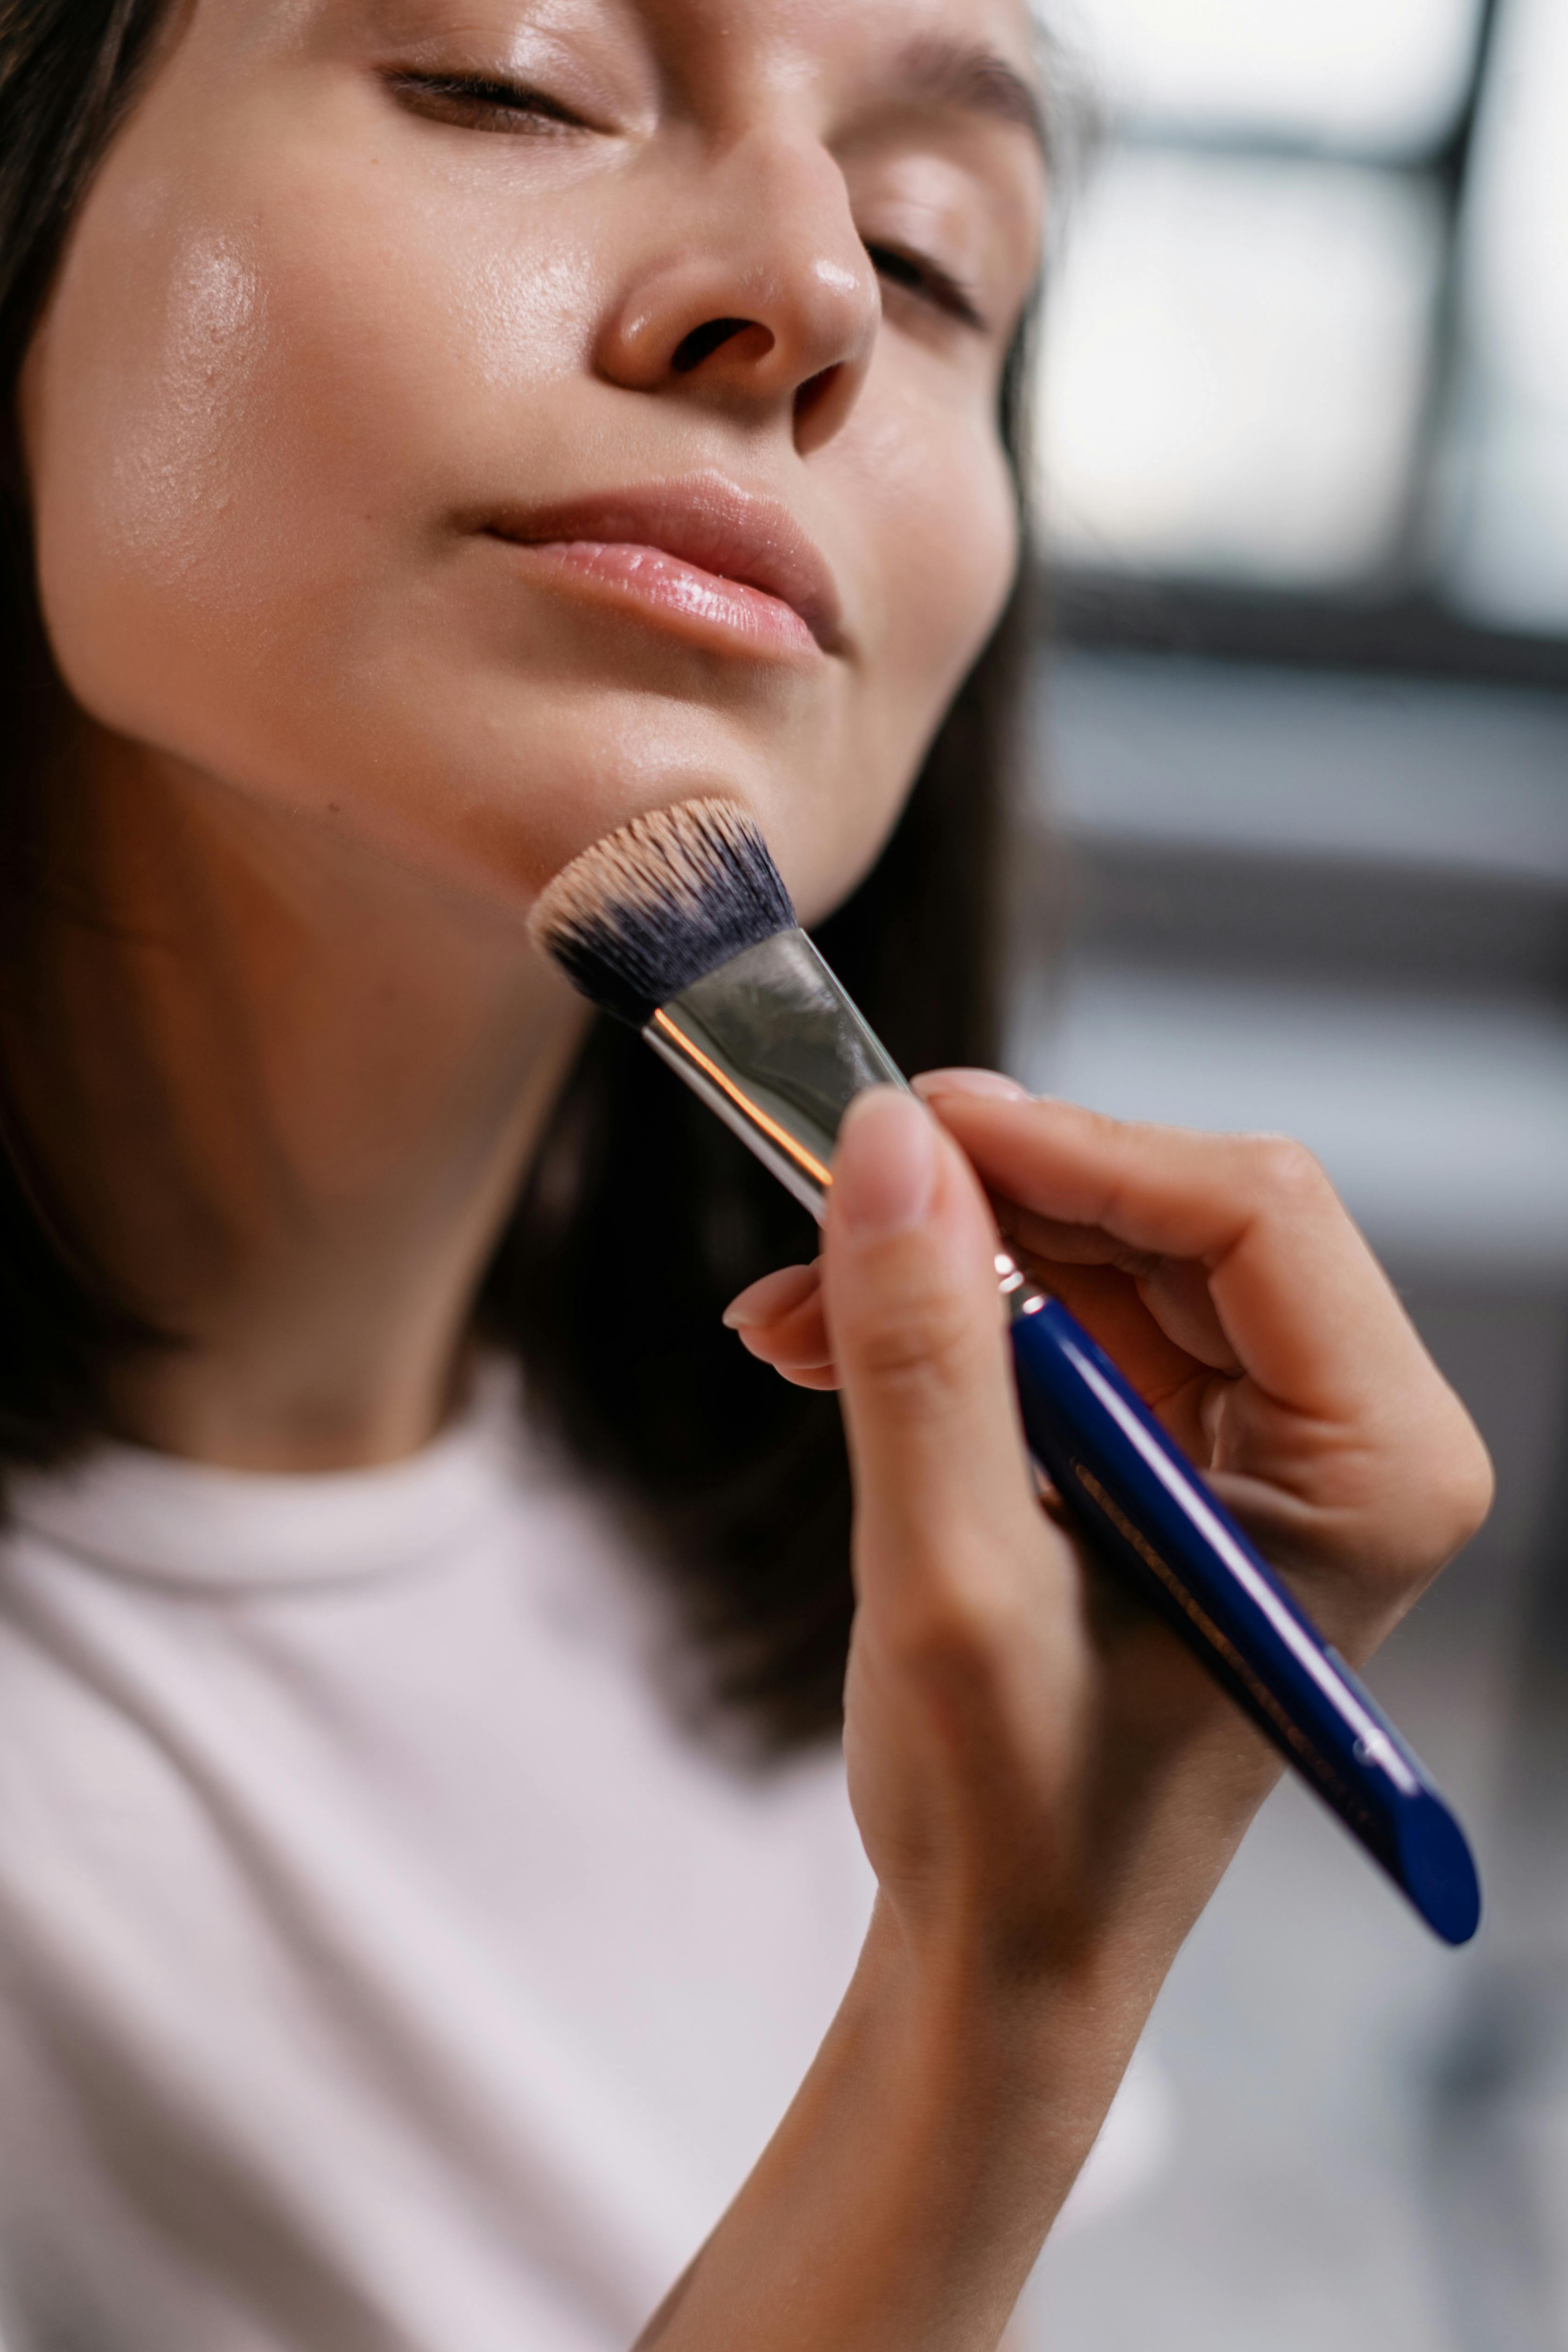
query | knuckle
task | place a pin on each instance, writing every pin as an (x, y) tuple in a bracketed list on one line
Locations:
[(1447, 1488), (1286, 1170), (1464, 1488), (955, 1638), (927, 1347)]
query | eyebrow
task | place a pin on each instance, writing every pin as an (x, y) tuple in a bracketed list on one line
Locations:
[(936, 70)]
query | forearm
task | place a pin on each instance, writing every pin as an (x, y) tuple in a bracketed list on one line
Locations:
[(906, 2194)]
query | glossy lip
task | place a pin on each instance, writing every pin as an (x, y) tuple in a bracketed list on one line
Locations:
[(701, 550)]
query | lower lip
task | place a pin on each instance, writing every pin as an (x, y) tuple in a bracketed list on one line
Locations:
[(657, 585)]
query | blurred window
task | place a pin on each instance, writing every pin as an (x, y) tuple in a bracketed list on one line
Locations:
[(1310, 332), (1507, 543), (1237, 365), (1380, 76)]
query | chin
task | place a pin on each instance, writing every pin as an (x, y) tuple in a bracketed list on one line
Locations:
[(575, 783)]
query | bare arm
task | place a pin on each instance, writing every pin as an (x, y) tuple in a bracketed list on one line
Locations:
[(1046, 1785)]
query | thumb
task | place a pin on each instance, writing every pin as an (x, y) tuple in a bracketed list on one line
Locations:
[(916, 1322)]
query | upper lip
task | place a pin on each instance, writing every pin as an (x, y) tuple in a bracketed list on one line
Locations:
[(706, 521)]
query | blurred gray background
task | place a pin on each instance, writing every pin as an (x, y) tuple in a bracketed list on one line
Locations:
[(1302, 738)]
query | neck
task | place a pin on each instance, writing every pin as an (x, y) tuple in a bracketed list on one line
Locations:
[(282, 1092)]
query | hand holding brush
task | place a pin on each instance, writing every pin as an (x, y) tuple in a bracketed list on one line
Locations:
[(1264, 1323), (1223, 1277), (1048, 1787)]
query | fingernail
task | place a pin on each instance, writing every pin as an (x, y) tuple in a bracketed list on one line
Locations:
[(884, 1173), (971, 1082), (774, 1295)]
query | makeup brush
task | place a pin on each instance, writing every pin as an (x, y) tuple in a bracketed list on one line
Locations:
[(679, 924)]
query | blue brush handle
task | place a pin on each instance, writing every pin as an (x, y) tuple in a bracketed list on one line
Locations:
[(1145, 1508)]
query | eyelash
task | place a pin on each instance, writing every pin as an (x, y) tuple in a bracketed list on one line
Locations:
[(518, 109), (927, 281)]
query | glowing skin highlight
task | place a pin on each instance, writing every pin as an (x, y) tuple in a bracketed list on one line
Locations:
[(324, 316)]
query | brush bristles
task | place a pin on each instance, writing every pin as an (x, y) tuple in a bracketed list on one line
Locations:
[(659, 904)]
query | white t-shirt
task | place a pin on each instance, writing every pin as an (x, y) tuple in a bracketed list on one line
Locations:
[(383, 1968)]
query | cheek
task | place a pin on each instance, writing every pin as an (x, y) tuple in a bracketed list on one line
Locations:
[(946, 518), (253, 402), (141, 413), (933, 496)]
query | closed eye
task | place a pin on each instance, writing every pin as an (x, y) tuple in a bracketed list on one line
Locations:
[(926, 281), (477, 102)]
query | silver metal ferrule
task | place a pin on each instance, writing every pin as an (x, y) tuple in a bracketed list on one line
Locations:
[(773, 1044)]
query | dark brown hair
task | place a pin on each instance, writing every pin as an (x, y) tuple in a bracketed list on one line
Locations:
[(641, 1215)]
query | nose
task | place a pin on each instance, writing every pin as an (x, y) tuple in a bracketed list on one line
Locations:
[(760, 300)]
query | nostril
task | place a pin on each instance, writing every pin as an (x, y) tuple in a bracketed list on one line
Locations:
[(704, 340)]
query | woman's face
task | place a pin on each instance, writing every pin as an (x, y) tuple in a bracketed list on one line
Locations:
[(472, 421)]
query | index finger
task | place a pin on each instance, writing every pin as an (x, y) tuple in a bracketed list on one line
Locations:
[(1300, 1296)]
